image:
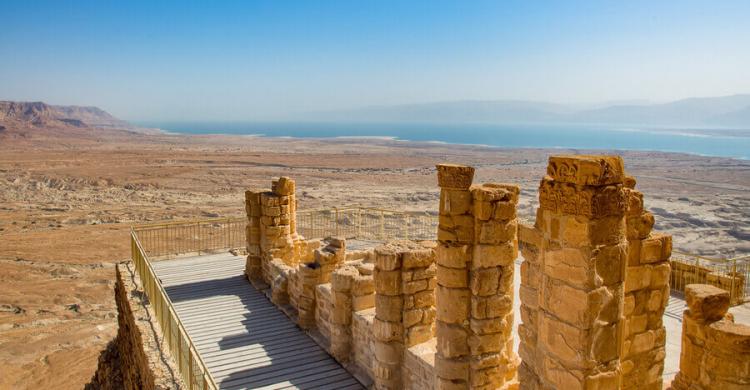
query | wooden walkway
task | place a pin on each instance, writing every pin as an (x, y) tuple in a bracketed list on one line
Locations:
[(245, 341)]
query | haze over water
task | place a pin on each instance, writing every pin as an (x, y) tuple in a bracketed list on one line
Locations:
[(721, 143)]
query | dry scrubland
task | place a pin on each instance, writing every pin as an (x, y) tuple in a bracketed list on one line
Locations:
[(67, 198)]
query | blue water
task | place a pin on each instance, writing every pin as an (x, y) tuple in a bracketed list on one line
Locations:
[(708, 142)]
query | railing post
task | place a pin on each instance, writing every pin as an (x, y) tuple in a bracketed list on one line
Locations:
[(336, 209), (732, 276), (382, 225)]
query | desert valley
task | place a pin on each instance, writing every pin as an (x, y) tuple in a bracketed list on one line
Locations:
[(73, 180)]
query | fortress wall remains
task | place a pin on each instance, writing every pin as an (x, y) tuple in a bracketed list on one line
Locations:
[(572, 341), (136, 359), (404, 306), (646, 296), (715, 350), (477, 245)]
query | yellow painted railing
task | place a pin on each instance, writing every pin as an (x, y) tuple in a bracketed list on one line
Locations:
[(192, 369), (732, 275), (366, 223), (164, 240)]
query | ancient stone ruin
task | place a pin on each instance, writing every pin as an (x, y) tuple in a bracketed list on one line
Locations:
[(594, 285), (715, 350)]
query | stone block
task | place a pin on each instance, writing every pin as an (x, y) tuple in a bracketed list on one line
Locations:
[(454, 256), (363, 285), (453, 304), (452, 369), (480, 344), (363, 302), (455, 202), (387, 331), (452, 277), (486, 256), (418, 258), (706, 302), (387, 259), (452, 340), (387, 282), (452, 176), (424, 299), (485, 281), (496, 232), (418, 334), (490, 307), (283, 186), (389, 308)]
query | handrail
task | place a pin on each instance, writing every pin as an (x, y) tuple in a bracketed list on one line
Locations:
[(167, 317)]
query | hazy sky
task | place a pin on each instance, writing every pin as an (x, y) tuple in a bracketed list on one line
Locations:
[(157, 60)]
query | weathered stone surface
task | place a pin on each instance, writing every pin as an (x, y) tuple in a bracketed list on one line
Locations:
[(452, 176), (586, 170), (706, 302)]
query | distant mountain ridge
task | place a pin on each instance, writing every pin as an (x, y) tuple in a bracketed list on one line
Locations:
[(42, 114), (726, 111)]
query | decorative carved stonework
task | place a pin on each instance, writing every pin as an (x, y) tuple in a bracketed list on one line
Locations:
[(586, 170), (592, 202)]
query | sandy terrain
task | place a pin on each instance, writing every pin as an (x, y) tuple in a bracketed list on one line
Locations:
[(67, 200)]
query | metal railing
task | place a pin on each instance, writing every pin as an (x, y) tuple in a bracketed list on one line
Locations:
[(164, 240), (192, 369), (732, 275), (366, 223)]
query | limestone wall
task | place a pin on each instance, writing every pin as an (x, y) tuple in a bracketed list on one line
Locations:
[(572, 288), (477, 244), (362, 340), (646, 297), (134, 359), (404, 307), (715, 350), (419, 366)]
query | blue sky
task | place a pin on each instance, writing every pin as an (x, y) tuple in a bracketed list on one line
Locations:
[(257, 60)]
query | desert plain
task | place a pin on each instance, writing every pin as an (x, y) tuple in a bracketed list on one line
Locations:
[(68, 196)]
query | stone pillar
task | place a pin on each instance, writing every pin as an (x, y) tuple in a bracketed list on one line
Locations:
[(646, 297), (582, 259), (404, 307), (493, 362), (477, 244), (529, 291), (276, 235), (715, 350), (318, 272), (453, 256), (349, 287), (252, 230)]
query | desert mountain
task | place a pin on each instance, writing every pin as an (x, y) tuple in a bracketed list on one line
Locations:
[(42, 115), (726, 111)]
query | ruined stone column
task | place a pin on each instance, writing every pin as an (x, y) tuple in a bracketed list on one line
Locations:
[(477, 247), (453, 255), (582, 258), (326, 260), (404, 312), (493, 361), (276, 236), (341, 318), (715, 350), (646, 297), (252, 230)]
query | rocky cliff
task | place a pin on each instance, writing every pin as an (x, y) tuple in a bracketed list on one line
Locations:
[(42, 114), (134, 359)]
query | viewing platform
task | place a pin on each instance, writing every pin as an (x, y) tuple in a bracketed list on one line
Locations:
[(243, 339)]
